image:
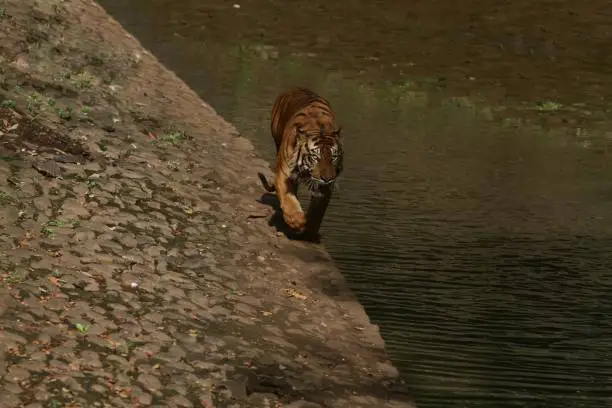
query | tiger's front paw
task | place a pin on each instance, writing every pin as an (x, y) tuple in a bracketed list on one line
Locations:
[(295, 220), (312, 236)]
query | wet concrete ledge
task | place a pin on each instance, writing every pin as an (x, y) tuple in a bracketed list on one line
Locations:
[(138, 268)]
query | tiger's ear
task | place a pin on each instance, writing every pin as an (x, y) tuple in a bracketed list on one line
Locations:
[(300, 134)]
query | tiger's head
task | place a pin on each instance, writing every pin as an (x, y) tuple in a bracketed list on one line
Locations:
[(319, 155)]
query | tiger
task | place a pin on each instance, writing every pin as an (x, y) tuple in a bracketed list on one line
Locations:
[(309, 151)]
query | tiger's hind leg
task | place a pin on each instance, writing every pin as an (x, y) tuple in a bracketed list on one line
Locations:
[(286, 191)]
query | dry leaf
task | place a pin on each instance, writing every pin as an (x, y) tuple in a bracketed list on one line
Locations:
[(294, 293), (207, 403)]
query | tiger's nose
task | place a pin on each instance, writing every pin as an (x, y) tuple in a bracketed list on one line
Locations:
[(327, 178)]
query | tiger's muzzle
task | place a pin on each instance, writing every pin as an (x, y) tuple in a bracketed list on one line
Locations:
[(324, 180)]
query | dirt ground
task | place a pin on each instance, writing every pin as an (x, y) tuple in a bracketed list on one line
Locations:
[(138, 267)]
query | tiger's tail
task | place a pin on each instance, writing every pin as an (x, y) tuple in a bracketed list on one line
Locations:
[(270, 188)]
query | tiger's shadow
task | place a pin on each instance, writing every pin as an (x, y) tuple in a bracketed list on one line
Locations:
[(276, 220)]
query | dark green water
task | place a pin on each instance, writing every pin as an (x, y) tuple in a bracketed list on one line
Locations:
[(476, 234)]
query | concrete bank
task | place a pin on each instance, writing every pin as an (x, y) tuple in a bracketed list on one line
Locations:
[(138, 268)]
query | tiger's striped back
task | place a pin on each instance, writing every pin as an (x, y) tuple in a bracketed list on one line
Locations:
[(307, 138), (291, 105)]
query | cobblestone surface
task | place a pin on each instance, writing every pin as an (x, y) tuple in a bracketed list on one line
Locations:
[(137, 267)]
